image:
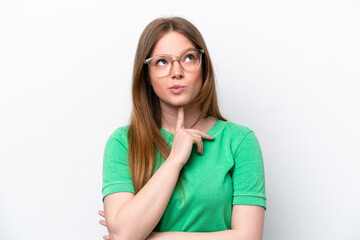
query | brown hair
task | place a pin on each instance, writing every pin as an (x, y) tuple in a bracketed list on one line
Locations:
[(144, 136)]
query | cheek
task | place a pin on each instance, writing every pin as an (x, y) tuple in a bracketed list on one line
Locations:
[(199, 81), (198, 86), (152, 80), (157, 85), (150, 77)]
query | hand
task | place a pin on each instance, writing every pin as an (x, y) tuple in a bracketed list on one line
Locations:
[(185, 138), (103, 222)]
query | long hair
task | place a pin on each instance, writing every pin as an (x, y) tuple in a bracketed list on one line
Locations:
[(144, 136)]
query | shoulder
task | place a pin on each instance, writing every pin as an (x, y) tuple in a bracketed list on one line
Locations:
[(236, 130), (120, 135), (237, 135), (120, 132)]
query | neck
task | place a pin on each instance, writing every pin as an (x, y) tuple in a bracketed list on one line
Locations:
[(169, 116)]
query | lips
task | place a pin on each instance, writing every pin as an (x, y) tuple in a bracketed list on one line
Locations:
[(177, 88)]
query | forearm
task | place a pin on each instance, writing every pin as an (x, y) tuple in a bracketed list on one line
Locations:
[(220, 235), (139, 216)]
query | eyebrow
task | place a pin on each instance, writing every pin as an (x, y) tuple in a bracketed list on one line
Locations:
[(163, 54)]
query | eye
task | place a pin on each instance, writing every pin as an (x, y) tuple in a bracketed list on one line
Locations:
[(189, 58), (161, 62)]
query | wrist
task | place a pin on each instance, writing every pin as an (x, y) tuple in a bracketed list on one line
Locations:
[(174, 162)]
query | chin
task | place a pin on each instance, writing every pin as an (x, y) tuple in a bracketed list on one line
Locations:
[(178, 103), (185, 104)]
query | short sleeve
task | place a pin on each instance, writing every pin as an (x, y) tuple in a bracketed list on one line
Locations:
[(116, 175), (248, 173)]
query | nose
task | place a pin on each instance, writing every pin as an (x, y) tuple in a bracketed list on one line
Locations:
[(176, 71)]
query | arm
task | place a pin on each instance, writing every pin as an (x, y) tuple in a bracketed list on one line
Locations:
[(246, 224), (130, 216)]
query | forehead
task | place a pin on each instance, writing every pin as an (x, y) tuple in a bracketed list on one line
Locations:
[(172, 43)]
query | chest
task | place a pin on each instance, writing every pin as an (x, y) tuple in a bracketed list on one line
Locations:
[(205, 196)]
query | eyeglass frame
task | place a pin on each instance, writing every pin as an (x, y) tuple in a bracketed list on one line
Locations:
[(176, 58)]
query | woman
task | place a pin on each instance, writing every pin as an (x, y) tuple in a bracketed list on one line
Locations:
[(155, 185)]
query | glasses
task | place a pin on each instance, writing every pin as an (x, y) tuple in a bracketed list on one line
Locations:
[(189, 60)]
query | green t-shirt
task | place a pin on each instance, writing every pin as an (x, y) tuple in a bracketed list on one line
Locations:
[(230, 172)]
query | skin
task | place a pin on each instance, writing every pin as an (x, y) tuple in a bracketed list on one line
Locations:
[(129, 216), (191, 80), (172, 44)]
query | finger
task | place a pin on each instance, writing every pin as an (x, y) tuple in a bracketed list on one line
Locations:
[(103, 222), (202, 134), (180, 118), (106, 237), (199, 144), (101, 213)]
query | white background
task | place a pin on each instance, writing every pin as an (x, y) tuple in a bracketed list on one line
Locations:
[(289, 70)]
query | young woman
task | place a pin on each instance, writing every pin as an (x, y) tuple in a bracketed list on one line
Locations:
[(180, 170)]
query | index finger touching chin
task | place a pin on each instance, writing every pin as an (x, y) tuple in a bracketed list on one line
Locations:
[(180, 118)]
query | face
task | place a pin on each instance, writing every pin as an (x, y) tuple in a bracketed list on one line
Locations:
[(179, 87)]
